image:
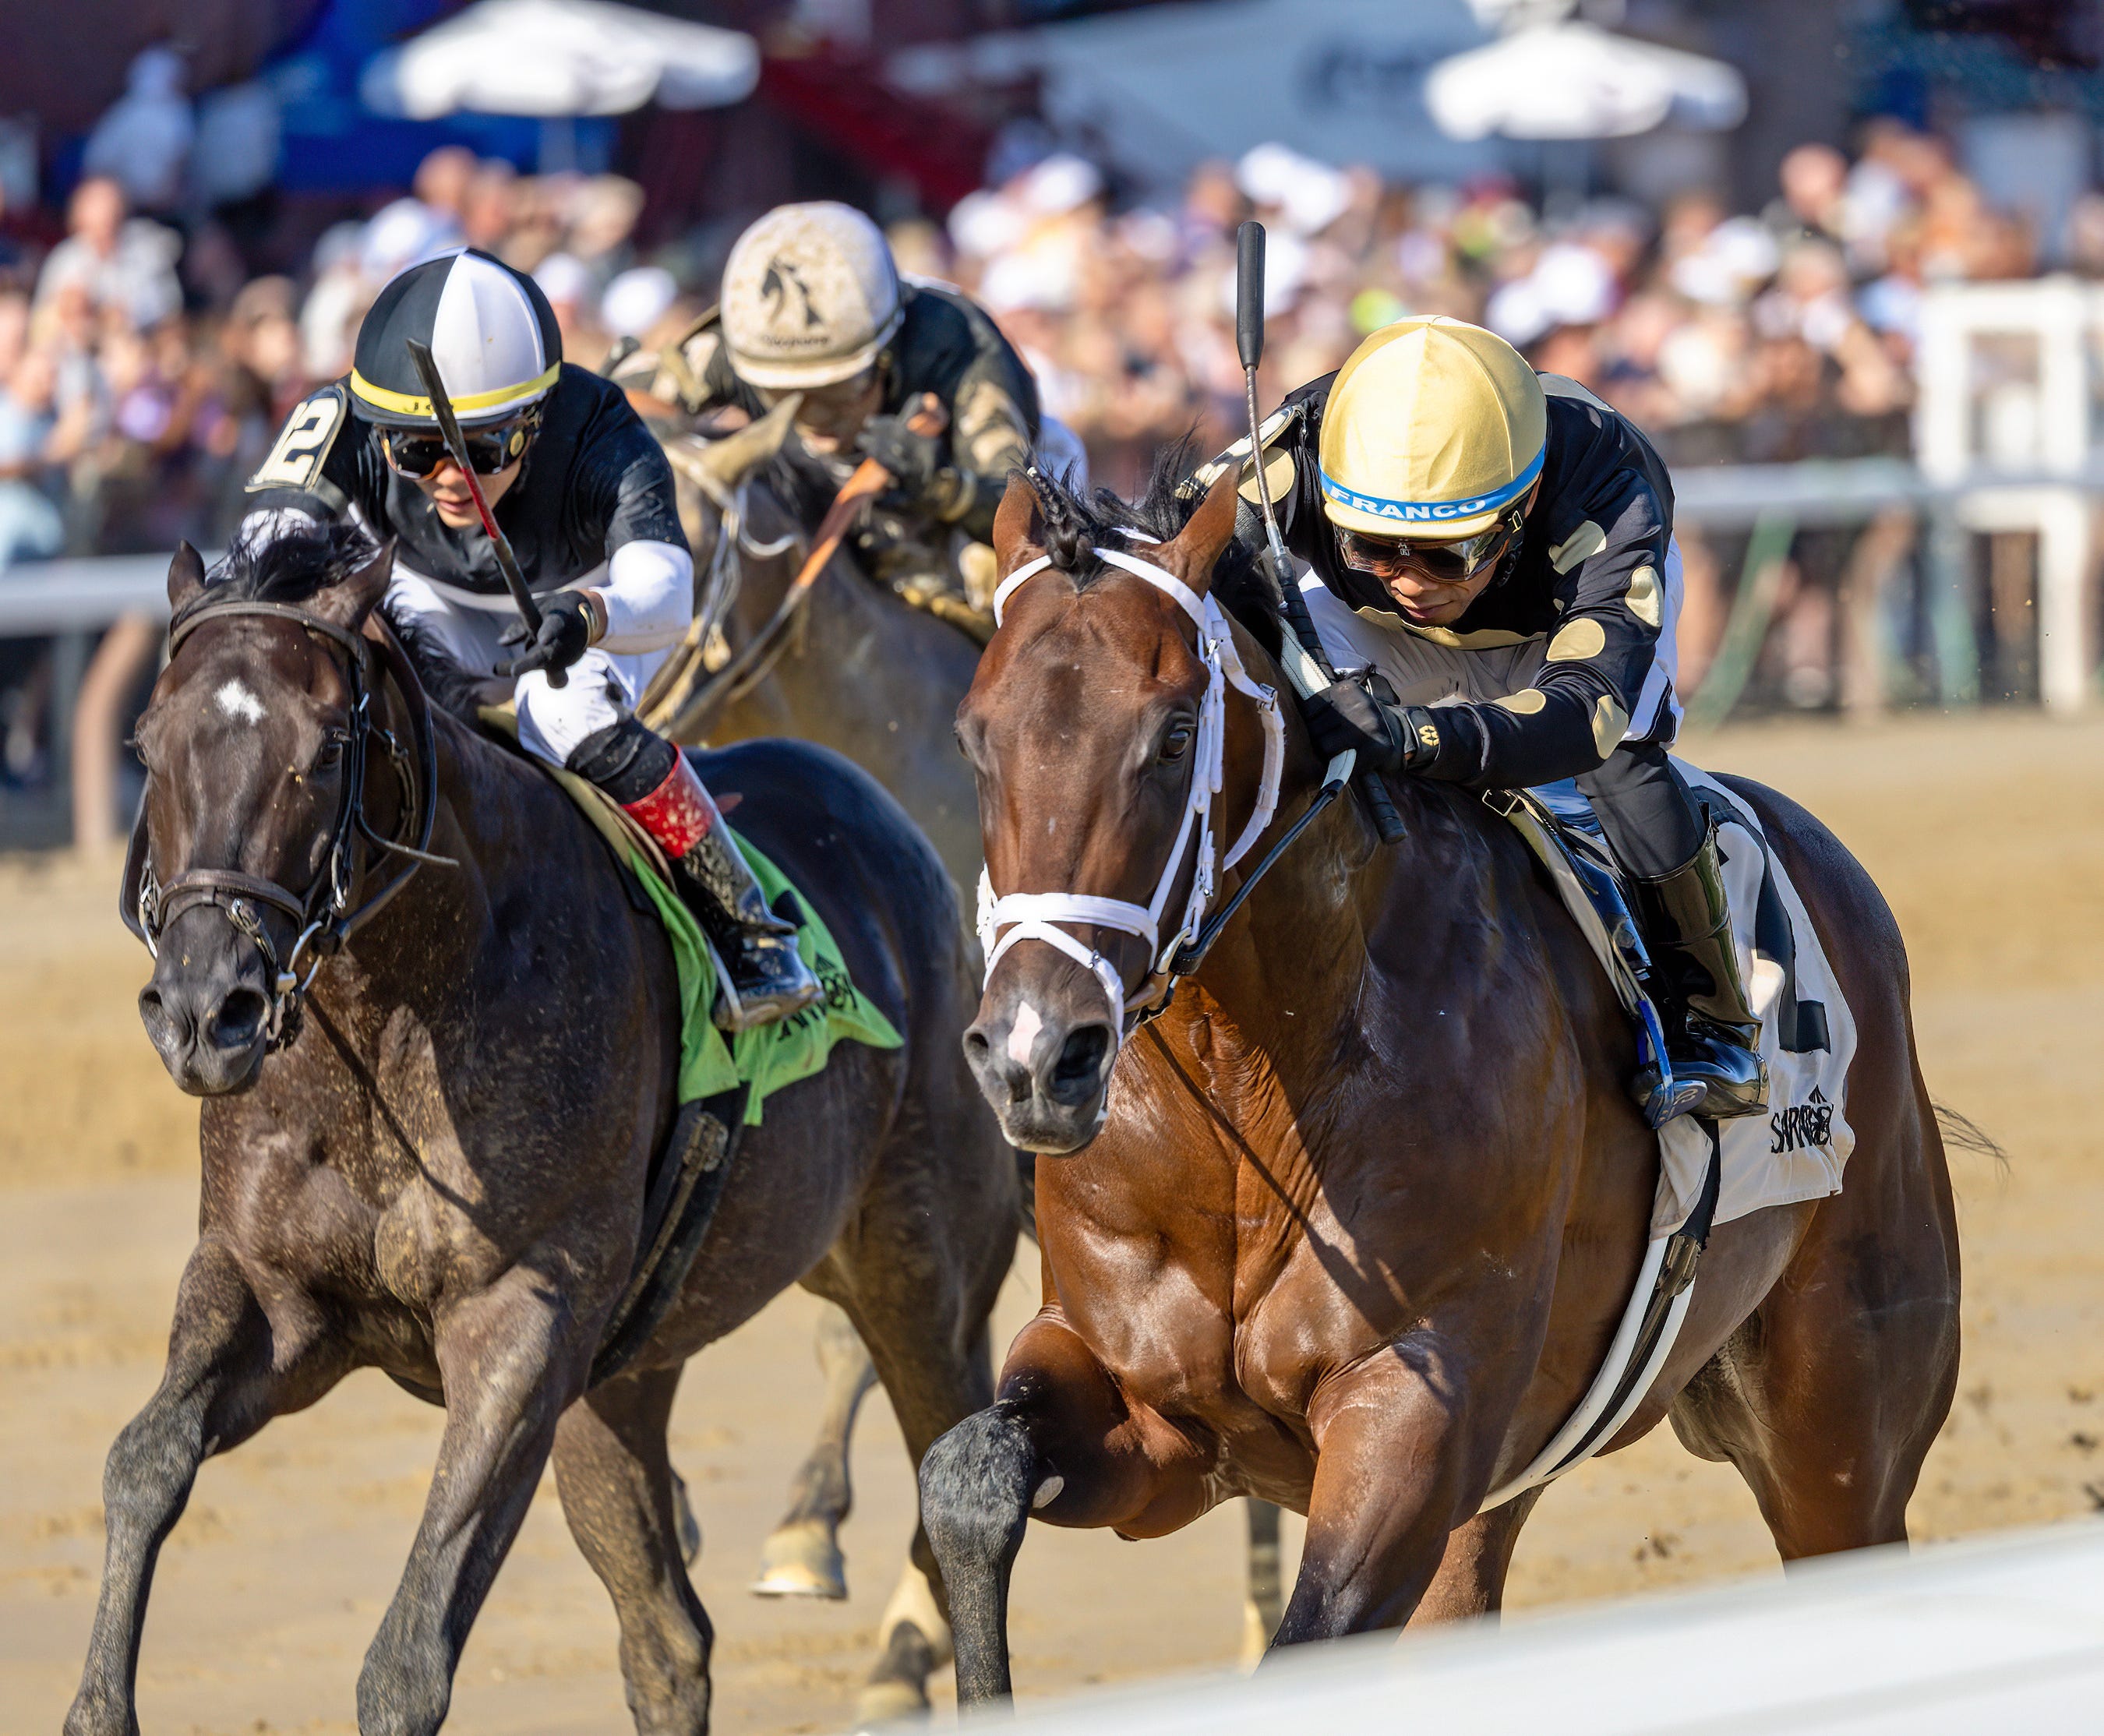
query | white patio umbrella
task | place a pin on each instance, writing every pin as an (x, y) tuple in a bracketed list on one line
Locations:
[(1575, 81), (560, 58)]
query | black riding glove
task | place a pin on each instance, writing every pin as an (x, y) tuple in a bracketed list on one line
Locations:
[(1361, 714), (919, 480), (567, 623)]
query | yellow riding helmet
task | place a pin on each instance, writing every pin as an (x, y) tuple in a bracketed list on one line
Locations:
[(1433, 429)]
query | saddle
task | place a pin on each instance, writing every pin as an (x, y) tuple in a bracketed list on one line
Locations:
[(1564, 834), (1709, 1173)]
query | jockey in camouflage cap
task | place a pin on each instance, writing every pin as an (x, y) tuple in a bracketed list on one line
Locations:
[(813, 304)]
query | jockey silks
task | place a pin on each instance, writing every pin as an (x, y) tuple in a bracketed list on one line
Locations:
[(1587, 578), (593, 481)]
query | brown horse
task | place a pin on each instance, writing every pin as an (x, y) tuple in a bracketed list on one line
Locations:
[(869, 674), (440, 1168), (1351, 1223)]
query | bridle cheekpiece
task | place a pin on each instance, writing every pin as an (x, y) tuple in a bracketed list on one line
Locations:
[(1037, 916), (323, 917)]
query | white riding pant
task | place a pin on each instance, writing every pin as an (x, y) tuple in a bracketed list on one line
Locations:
[(1425, 672), (602, 686)]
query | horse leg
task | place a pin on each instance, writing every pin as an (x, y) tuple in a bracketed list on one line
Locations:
[(932, 1386), (230, 1369), (616, 1482), (801, 1557), (1828, 1398), (1059, 1440), (1387, 1473), (511, 1358), (1471, 1580)]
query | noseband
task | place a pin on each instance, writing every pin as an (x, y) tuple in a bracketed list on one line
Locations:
[(322, 917), (1035, 916)]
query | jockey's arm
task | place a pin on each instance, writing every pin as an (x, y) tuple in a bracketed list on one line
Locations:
[(1579, 706), (989, 438), (648, 592)]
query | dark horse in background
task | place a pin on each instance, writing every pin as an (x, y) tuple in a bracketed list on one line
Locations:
[(1351, 1223), (443, 1174), (870, 675)]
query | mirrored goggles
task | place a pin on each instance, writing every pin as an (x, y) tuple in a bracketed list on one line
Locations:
[(1444, 562), (413, 452)]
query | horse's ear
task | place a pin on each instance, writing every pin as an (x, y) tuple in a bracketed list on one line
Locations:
[(351, 599), (185, 578), (1018, 526), (1195, 549)]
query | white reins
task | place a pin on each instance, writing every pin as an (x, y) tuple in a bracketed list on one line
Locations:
[(1036, 916)]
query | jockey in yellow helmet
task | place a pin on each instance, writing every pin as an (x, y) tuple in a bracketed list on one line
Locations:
[(1490, 556)]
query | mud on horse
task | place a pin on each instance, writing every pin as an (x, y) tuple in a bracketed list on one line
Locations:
[(438, 1169), (1349, 1224)]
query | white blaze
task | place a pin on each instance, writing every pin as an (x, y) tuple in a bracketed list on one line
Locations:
[(239, 704), (1022, 1033)]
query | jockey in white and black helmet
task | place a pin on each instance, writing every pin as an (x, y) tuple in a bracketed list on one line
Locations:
[(584, 494)]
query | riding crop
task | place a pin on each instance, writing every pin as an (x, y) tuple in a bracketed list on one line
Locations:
[(1307, 665), (679, 714), (515, 581)]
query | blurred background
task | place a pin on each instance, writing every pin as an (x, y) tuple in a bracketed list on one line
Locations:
[(1843, 260)]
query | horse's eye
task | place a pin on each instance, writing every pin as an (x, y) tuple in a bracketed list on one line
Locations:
[(332, 750), (1177, 743)]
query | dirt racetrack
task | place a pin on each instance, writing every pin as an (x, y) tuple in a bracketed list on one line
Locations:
[(1986, 832)]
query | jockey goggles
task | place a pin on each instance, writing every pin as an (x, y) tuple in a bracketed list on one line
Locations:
[(412, 451), (1444, 562)]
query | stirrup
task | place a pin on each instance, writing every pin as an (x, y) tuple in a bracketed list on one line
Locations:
[(780, 995)]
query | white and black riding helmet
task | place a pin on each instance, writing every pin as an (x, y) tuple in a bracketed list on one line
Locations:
[(490, 329)]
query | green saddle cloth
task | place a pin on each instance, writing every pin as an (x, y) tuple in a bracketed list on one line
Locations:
[(770, 1056), (765, 1058)]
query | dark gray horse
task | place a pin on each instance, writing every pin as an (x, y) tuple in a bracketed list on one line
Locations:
[(439, 1169)]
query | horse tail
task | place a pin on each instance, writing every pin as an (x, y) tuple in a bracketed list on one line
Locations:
[(1967, 1135)]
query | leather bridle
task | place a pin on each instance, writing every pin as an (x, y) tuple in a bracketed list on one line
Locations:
[(1046, 916), (323, 917)]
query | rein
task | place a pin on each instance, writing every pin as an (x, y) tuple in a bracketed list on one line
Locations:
[(323, 917), (1036, 916)]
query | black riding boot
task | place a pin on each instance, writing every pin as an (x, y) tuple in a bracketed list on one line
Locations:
[(768, 978), (658, 787), (1712, 1035)]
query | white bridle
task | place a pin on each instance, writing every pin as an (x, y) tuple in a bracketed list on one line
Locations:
[(1035, 916)]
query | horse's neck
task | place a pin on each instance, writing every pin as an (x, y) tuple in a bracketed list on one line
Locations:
[(1291, 971)]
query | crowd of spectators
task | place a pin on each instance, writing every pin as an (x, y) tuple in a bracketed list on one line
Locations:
[(1772, 335), (144, 371), (144, 374)]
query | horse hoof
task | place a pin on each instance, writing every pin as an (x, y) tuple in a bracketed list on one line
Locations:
[(801, 1560), (890, 1702)]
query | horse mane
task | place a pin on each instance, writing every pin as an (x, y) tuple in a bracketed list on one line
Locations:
[(296, 564), (1075, 523)]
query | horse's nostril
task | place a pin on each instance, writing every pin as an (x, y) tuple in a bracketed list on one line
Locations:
[(1081, 1062), (238, 1018)]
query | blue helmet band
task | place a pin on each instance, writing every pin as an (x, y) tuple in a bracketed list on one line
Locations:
[(1433, 512)]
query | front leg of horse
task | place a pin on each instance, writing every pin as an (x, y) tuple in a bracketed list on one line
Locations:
[(1060, 1441), (1390, 1448), (801, 1557), (512, 1357), (228, 1373), (616, 1488)]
